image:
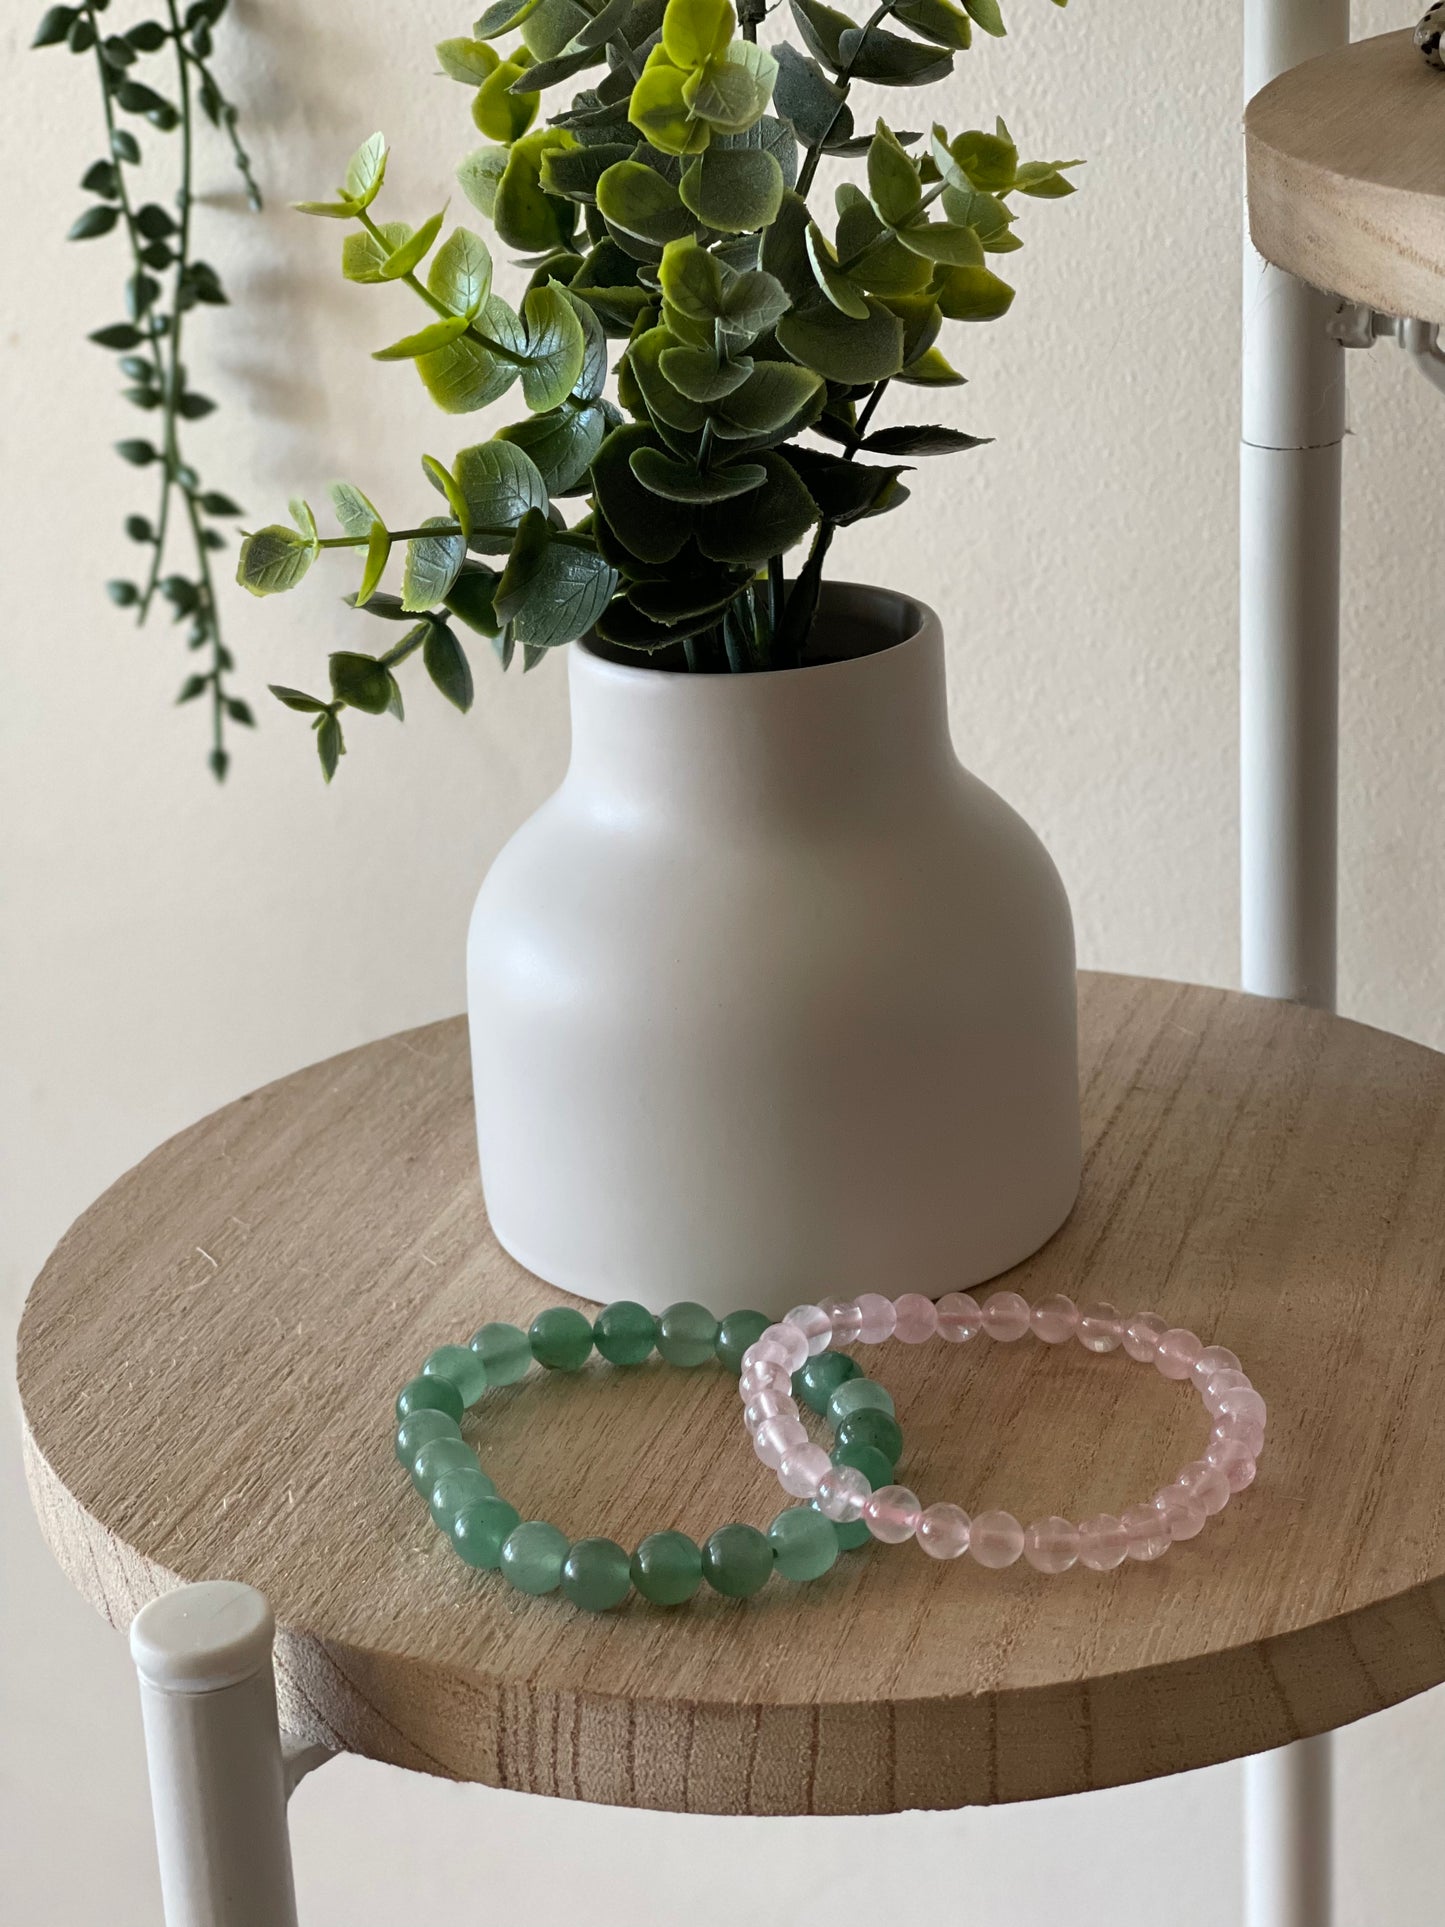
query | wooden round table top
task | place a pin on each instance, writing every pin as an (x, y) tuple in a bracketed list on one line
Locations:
[(1345, 157), (208, 1361)]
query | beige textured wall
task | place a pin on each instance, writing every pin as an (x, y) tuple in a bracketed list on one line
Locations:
[(166, 945)]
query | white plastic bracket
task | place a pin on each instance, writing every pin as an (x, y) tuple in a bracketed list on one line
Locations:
[(1356, 325)]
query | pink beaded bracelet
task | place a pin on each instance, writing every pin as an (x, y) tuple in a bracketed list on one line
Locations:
[(995, 1539)]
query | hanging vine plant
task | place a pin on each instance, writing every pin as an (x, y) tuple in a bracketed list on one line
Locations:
[(667, 207), (167, 279)]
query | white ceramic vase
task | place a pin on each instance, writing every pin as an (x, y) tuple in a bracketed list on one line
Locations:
[(772, 1000)]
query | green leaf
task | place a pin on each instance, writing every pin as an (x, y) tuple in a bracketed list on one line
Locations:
[(414, 249), (814, 107), (552, 590), (892, 179), (699, 589), (330, 743), (986, 161), (446, 663), (502, 16), (732, 94), (137, 453), (641, 201), (123, 594), (574, 172), (95, 221), (696, 31), (649, 528), (691, 280), (461, 272), (426, 341), (592, 378), (841, 292), (366, 171), (561, 442), (684, 482), (736, 190), (55, 24), (378, 554), (765, 522), (499, 113), (956, 247), (931, 370), (659, 111), (103, 178), (215, 503), (986, 13), (469, 61), (120, 335), (471, 599), (846, 492), (556, 347), (362, 255), (972, 294), (844, 350), (353, 510), (548, 73), (297, 699), (362, 682), (822, 28), (1044, 180), (753, 303), (889, 60), (940, 21), (274, 559), (465, 375), (479, 175), (329, 210), (927, 439), (525, 216), (501, 484), (989, 217), (664, 403), (550, 26), (698, 374), (441, 480), (124, 145), (784, 253), (772, 396)]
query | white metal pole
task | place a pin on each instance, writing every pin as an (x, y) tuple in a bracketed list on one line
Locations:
[(218, 1779), (1292, 430), (1287, 1836)]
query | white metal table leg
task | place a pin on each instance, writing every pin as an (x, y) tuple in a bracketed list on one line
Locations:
[(219, 1780), (1287, 1818)]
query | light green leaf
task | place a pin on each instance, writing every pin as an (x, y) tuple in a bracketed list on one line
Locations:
[(302, 516), (932, 370), (732, 94), (465, 376), (378, 553), (972, 294), (562, 442), (426, 341), (938, 241), (469, 61), (659, 112), (433, 563), (940, 21), (1044, 180), (362, 254), (844, 296), (441, 480), (696, 31), (354, 511), (556, 347), (691, 280), (274, 559), (593, 376), (499, 113), (678, 481), (413, 249), (986, 13), (502, 16), (844, 350), (552, 589), (330, 744), (479, 175), (987, 161), (329, 210), (501, 484), (892, 178), (551, 26), (366, 171), (736, 190), (575, 171), (461, 272), (640, 201)]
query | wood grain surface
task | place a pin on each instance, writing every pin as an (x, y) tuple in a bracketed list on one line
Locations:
[(1345, 159), (208, 1361)]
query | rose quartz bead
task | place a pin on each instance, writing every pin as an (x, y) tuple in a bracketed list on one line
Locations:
[(1177, 1352), (1243, 1402), (878, 1317), (1214, 1358), (959, 1317), (1101, 1329), (789, 1342), (892, 1514), (756, 1379), (1248, 1431), (767, 1351), (1234, 1460), (916, 1318), (768, 1405), (1205, 1484), (1055, 1319), (1103, 1542), (842, 1494), (1051, 1545), (804, 1470), (1183, 1516), (943, 1531), (1148, 1533), (1142, 1333), (815, 1325), (847, 1319), (777, 1436), (1220, 1383), (1005, 1316), (995, 1539)]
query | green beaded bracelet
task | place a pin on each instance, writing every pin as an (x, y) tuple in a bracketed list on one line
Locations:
[(668, 1567)]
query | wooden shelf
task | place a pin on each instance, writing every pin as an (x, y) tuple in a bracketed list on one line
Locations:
[(207, 1365), (1345, 159)]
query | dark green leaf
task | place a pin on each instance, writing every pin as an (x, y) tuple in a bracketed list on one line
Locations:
[(363, 682), (701, 587), (773, 395), (120, 335), (573, 172), (124, 145), (763, 523), (823, 28), (928, 439), (330, 744), (147, 38), (102, 177), (138, 528), (846, 491), (153, 221), (55, 24), (215, 503), (447, 665), (698, 374), (736, 190), (841, 349), (684, 482), (892, 179), (648, 528), (501, 484), (814, 107), (432, 564), (240, 712), (986, 13), (192, 687), (561, 442), (472, 598), (552, 590), (95, 221), (891, 61), (972, 294), (136, 98), (122, 594), (940, 21), (193, 407), (297, 699), (137, 453)]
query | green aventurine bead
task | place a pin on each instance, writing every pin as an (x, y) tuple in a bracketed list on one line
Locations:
[(457, 1488), (533, 1556), (480, 1531), (737, 1561), (804, 1543), (429, 1395), (736, 1332), (418, 1427), (686, 1334), (853, 1395), (561, 1338), (852, 1535), (504, 1351), (624, 1333), (873, 1427), (816, 1382), (595, 1575), (461, 1367), (875, 1466), (440, 1455), (667, 1568)]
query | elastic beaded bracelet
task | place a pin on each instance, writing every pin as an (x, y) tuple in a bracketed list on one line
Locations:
[(892, 1513), (667, 1567)]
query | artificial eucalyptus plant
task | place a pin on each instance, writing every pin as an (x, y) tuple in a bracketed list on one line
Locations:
[(166, 280), (667, 208)]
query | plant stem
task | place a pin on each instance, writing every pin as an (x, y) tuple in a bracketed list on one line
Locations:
[(815, 152), (438, 306), (227, 119)]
